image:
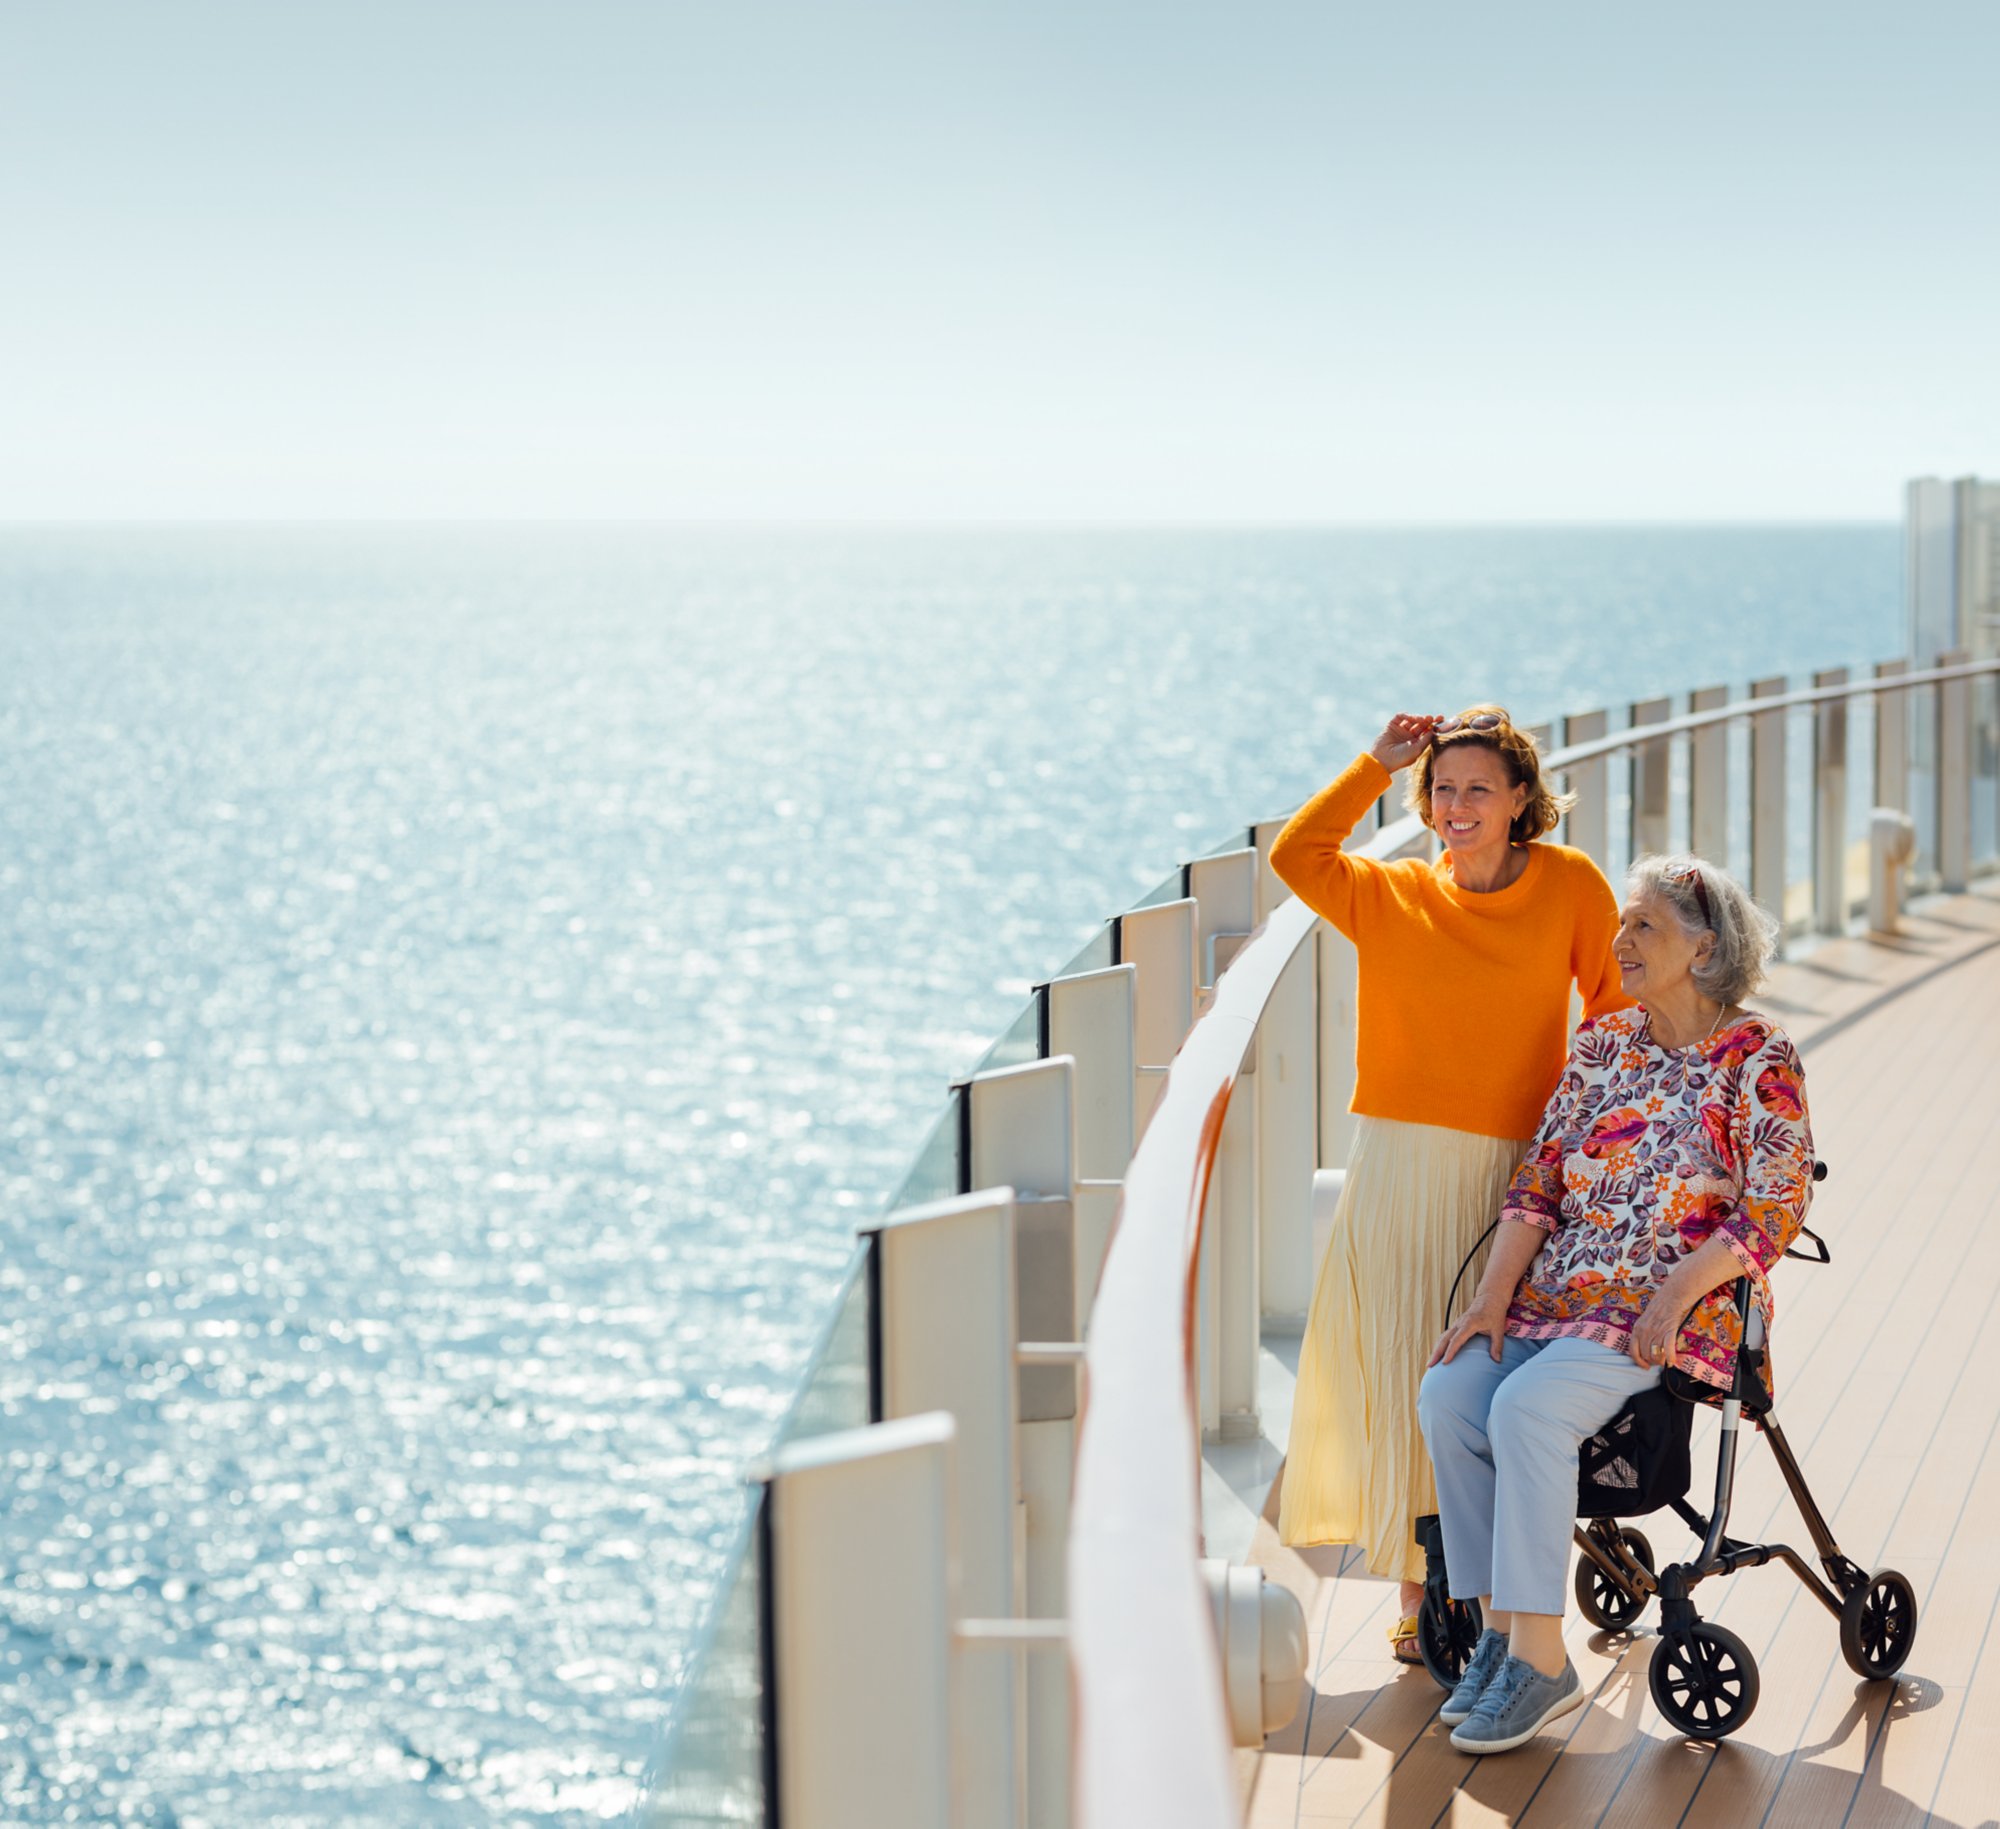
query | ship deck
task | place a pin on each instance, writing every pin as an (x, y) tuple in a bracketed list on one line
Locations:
[(1886, 1369)]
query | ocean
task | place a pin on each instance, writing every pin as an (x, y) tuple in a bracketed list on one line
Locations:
[(459, 987)]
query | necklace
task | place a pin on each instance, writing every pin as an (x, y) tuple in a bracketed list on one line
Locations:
[(1682, 1047)]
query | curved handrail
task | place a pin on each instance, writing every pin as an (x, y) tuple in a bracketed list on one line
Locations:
[(1746, 708), (1152, 1740)]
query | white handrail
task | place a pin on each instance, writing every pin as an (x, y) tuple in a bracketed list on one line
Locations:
[(1746, 708)]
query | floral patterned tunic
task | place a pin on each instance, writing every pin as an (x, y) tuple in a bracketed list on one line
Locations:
[(1644, 1154)]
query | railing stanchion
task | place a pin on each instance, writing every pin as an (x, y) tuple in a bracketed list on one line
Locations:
[(1767, 803), (1287, 1091), (1091, 1020), (1022, 1132), (862, 1601), (1892, 740), (1830, 894), (1160, 942), (1708, 781), (948, 1332), (1652, 775), (1954, 779), (1590, 819)]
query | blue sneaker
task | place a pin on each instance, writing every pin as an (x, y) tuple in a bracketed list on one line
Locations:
[(1480, 1669), (1517, 1705)]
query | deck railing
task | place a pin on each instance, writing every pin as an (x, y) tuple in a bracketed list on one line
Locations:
[(976, 1511)]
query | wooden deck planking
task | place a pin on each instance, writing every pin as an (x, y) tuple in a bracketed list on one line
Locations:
[(1898, 1443)]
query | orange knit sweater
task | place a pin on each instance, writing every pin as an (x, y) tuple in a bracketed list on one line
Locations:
[(1463, 1008)]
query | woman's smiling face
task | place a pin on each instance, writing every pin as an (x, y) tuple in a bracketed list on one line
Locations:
[(1473, 803), (1655, 954)]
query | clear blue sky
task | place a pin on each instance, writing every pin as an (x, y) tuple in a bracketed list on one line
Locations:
[(1019, 261)]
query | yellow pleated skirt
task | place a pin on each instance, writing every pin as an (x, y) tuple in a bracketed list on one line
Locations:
[(1415, 1199)]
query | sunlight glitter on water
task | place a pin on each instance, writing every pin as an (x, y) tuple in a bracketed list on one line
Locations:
[(458, 991)]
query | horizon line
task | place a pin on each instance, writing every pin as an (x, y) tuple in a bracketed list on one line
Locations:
[(950, 524)]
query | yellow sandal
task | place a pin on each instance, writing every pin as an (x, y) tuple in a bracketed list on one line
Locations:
[(1404, 1632)]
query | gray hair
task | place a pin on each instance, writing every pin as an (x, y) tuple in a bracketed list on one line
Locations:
[(1745, 936)]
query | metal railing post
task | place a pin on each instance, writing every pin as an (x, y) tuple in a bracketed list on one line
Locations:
[(1022, 1134), (1708, 781), (1954, 779), (1892, 740), (862, 1602), (1287, 1092), (1091, 1019), (1652, 777), (1590, 818), (947, 1329), (1224, 890), (1830, 896), (1767, 802), (1160, 943)]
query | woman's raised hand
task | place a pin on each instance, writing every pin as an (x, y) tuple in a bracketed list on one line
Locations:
[(1404, 738)]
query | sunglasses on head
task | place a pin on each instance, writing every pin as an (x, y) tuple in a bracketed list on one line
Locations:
[(1687, 873), (1450, 727)]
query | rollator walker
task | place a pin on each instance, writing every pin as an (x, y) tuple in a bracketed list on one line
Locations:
[(1702, 1676)]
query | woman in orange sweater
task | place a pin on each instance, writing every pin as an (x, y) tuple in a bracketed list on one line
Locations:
[(1463, 1006)]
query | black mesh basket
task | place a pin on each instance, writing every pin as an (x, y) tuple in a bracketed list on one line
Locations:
[(1638, 1461)]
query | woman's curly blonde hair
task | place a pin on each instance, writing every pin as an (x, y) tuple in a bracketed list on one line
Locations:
[(1517, 750)]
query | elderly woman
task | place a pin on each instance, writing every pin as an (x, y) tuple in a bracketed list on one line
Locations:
[(1674, 1158), (1466, 966)]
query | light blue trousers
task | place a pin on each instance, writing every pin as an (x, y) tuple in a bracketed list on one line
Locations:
[(1503, 1439)]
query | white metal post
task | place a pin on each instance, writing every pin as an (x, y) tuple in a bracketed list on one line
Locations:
[(1208, 1316), (1708, 781), (1892, 740), (1767, 802), (1224, 892), (1023, 1136), (1830, 897), (1271, 889), (1238, 1284), (1160, 943), (1338, 974), (1652, 777), (1287, 1094), (946, 1323), (1954, 778), (862, 1603), (1590, 818), (1091, 1020)]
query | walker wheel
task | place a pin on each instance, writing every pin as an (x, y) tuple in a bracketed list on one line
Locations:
[(1704, 1680), (1605, 1601), (1446, 1637), (1878, 1625)]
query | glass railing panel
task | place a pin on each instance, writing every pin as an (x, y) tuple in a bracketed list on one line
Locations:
[(835, 1392), (1167, 889), (1017, 1044), (934, 1172), (1093, 956), (710, 1766)]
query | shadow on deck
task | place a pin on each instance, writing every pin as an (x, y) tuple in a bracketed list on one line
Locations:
[(1888, 1374)]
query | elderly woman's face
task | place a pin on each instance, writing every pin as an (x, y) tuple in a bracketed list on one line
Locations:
[(1656, 956), (1473, 804)]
